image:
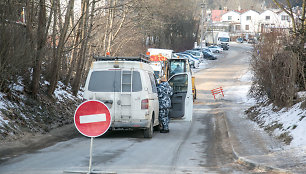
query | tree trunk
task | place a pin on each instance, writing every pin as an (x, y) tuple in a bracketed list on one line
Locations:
[(77, 78), (74, 52), (60, 46), (87, 32), (59, 51), (41, 42)]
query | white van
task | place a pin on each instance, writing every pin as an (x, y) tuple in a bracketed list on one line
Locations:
[(127, 86)]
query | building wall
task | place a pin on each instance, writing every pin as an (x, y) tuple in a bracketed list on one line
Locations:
[(235, 17), (267, 20), (249, 22), (285, 20)]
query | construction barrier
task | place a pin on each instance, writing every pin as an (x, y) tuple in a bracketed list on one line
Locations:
[(217, 91)]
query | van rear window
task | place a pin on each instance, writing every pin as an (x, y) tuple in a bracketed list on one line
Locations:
[(110, 81)]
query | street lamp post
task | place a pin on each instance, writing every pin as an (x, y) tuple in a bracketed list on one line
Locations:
[(202, 23)]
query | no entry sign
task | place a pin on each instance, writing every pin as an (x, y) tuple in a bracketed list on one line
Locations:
[(92, 118)]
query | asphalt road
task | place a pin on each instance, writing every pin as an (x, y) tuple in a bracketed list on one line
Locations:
[(200, 146)]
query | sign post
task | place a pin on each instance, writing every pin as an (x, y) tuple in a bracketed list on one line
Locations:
[(92, 119)]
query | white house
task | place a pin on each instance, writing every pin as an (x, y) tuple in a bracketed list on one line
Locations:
[(249, 21), (268, 19), (231, 16), (233, 19), (285, 20), (271, 19)]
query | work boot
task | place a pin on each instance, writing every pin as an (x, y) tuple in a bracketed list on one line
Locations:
[(164, 131)]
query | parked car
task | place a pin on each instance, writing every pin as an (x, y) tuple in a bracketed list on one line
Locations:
[(224, 46), (207, 53), (215, 49), (127, 86), (239, 40), (194, 63), (209, 56), (197, 54), (251, 41), (203, 49)]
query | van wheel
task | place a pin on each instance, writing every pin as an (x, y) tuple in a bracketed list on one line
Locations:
[(148, 132)]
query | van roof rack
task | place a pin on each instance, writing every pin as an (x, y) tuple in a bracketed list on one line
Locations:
[(141, 58)]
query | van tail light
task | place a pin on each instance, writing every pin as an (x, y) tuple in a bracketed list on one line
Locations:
[(145, 104)]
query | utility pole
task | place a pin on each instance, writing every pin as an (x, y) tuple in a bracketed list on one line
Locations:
[(203, 4)]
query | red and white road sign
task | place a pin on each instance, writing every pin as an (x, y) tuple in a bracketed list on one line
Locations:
[(92, 118)]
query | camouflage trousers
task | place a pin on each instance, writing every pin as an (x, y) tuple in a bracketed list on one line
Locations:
[(164, 118)]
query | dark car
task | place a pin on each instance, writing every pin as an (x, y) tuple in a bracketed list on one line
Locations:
[(239, 40), (209, 56), (251, 41), (224, 46)]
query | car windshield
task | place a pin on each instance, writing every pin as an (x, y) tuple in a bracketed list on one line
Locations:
[(110, 81), (224, 39), (177, 67)]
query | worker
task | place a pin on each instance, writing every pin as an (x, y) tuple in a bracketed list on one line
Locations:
[(164, 96), (178, 69)]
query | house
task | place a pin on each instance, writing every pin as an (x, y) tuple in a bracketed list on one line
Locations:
[(233, 19), (249, 21), (285, 20), (274, 19), (268, 20)]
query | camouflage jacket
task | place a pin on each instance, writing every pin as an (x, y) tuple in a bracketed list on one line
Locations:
[(164, 93)]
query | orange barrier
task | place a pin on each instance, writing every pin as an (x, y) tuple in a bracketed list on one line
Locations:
[(217, 91)]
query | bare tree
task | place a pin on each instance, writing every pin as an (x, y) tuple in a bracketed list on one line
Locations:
[(58, 54), (41, 42), (83, 48)]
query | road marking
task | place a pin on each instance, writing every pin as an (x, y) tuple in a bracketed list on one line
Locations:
[(92, 118)]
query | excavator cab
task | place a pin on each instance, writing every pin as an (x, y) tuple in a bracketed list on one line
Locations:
[(180, 65)]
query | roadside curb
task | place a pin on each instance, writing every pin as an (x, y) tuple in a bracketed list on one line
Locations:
[(34, 142), (247, 162)]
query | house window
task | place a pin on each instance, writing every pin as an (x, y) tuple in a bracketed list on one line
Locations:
[(267, 18), (229, 18), (248, 18), (238, 28), (247, 27), (285, 18)]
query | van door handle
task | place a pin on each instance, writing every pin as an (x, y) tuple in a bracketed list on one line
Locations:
[(108, 101)]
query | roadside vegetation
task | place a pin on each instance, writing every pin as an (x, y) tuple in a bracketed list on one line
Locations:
[(279, 66)]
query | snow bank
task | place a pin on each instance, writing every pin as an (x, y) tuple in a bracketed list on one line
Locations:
[(291, 121), (239, 93)]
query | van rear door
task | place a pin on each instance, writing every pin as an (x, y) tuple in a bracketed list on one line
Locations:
[(182, 99)]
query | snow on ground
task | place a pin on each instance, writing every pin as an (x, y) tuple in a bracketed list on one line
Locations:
[(2, 106), (61, 94), (293, 120), (240, 93)]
